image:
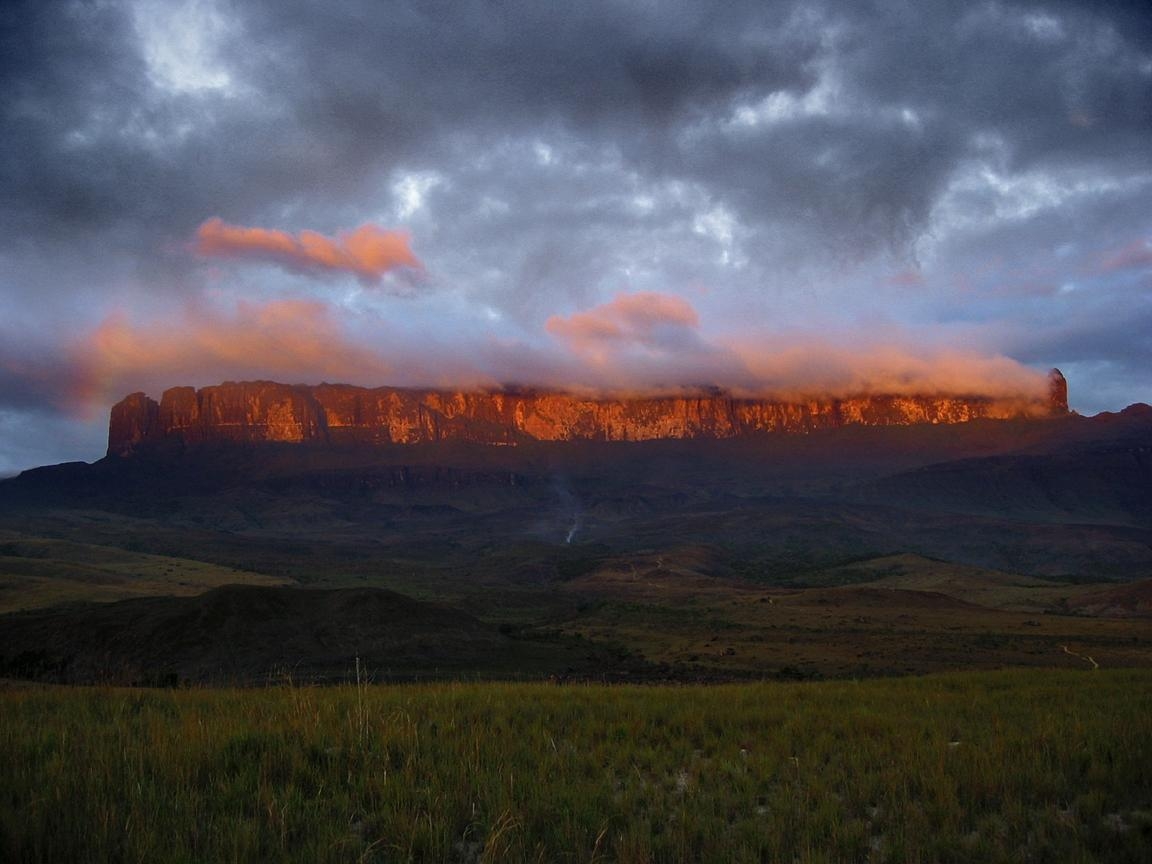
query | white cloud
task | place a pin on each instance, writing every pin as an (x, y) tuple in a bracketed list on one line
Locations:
[(824, 98), (983, 195), (720, 225), (410, 189), (181, 41), (1045, 27)]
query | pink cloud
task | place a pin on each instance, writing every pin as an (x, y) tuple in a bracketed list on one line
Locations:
[(652, 341), (639, 343), (804, 365), (368, 252), (286, 340), (1135, 256), (907, 278), (645, 319)]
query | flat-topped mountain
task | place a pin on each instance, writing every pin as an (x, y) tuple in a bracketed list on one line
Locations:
[(257, 411), (892, 538)]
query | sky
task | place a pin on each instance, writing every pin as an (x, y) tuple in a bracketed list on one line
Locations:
[(617, 196)]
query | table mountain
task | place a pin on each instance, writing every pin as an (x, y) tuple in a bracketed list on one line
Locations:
[(258, 411)]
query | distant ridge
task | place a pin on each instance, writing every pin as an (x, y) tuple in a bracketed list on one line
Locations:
[(256, 411)]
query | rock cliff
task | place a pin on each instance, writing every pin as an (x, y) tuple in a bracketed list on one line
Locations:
[(338, 414)]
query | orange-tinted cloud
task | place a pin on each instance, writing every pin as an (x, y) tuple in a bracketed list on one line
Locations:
[(639, 343), (286, 340), (646, 320), (810, 365), (652, 340), (368, 252)]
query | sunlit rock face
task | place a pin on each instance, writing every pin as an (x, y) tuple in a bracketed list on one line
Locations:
[(339, 414), (135, 418)]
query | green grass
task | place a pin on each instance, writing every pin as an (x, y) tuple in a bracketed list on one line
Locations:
[(974, 767), (37, 572)]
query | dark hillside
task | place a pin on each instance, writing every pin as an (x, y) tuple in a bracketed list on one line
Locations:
[(251, 635)]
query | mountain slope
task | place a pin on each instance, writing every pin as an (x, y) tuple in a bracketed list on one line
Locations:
[(1106, 479)]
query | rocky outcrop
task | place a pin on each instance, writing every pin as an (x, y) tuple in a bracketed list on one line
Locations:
[(338, 414), (134, 419), (1057, 391)]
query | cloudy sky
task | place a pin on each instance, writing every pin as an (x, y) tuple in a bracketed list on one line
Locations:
[(628, 194)]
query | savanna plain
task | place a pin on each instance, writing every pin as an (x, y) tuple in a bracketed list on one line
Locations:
[(989, 766)]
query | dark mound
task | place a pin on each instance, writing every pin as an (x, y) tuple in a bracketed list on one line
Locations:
[(245, 634), (1133, 600)]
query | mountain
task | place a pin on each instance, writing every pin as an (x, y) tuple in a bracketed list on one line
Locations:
[(894, 547), (1057, 496), (1096, 472), (264, 411)]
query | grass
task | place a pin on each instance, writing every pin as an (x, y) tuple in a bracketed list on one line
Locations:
[(36, 572), (670, 613), (1003, 766)]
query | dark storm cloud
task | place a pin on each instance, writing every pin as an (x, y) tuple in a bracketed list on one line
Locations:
[(66, 83), (326, 99), (917, 92), (99, 157), (590, 64), (1055, 82), (327, 94), (91, 153)]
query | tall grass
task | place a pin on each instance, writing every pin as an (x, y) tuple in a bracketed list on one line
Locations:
[(1010, 766)]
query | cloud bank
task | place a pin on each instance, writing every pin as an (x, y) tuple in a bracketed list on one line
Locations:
[(288, 340), (636, 344)]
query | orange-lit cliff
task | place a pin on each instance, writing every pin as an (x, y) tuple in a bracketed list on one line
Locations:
[(341, 414)]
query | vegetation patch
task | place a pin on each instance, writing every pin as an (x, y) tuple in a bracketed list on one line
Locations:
[(1001, 766)]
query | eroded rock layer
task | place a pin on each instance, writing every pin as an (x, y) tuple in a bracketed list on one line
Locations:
[(339, 414)]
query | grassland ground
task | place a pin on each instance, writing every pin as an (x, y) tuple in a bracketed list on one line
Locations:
[(913, 623), (681, 612), (1022, 765), (37, 572)]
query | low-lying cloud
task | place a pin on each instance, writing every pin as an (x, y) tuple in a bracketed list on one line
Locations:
[(642, 343), (368, 252), (804, 365), (654, 341), (287, 340), (648, 319)]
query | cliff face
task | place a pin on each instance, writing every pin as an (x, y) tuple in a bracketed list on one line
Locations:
[(342, 414)]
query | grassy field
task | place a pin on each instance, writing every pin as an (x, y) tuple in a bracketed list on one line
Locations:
[(994, 766), (36, 572)]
